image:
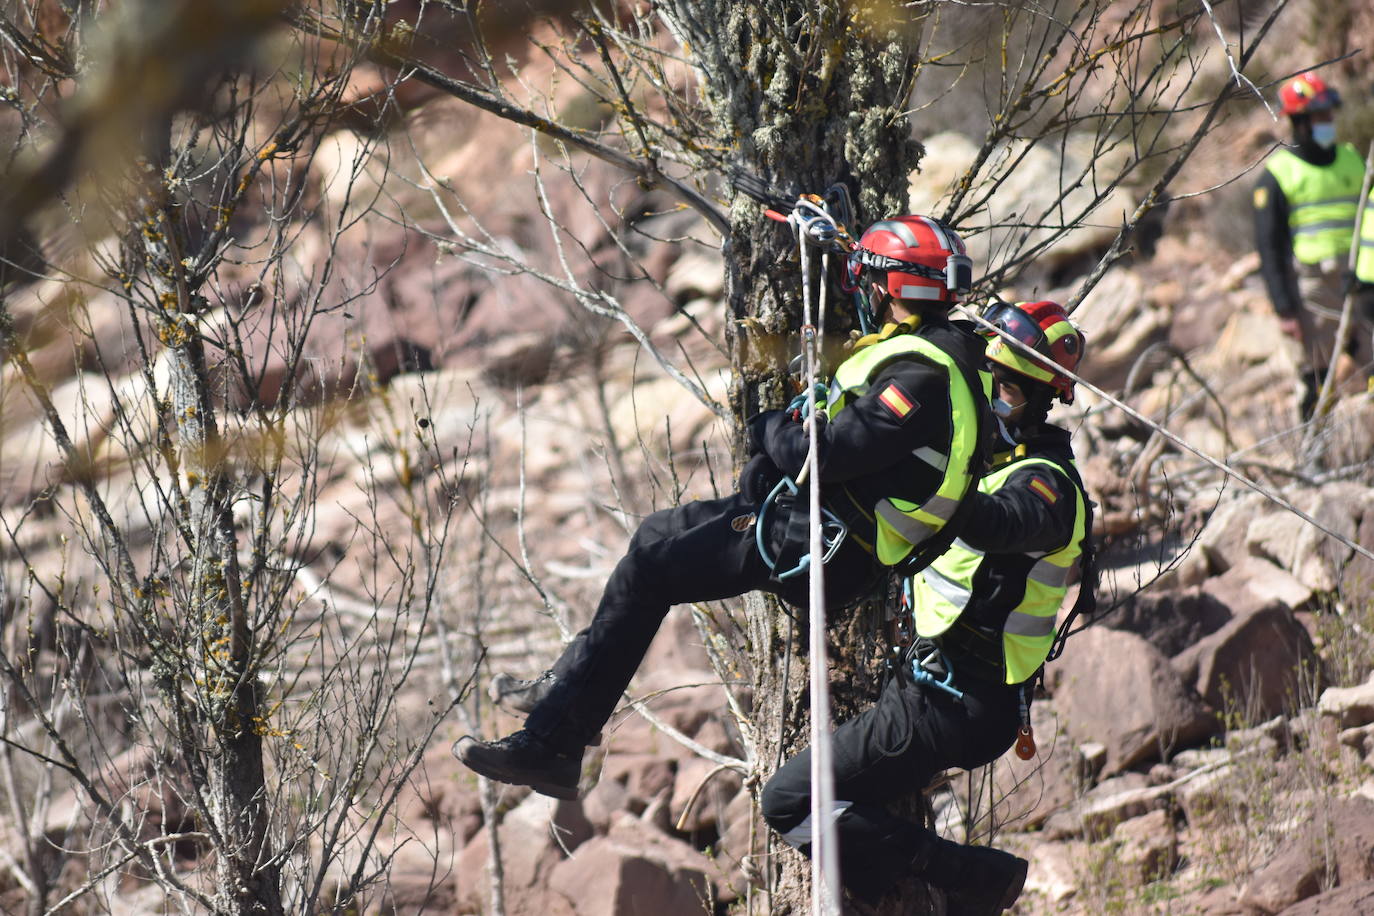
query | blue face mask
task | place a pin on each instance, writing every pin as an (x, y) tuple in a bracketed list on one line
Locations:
[(1324, 134)]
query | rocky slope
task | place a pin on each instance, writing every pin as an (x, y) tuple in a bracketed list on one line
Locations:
[(1205, 747)]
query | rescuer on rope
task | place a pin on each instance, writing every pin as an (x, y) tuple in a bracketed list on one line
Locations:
[(904, 436), (984, 617)]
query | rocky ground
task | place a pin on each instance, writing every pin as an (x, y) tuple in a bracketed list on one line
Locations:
[(1207, 746)]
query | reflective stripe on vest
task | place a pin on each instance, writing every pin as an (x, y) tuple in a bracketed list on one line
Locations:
[(902, 525), (1322, 200), (942, 591)]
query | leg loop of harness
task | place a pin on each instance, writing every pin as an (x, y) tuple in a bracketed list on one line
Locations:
[(929, 663), (833, 532)]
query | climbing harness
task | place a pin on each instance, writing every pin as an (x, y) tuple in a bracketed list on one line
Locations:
[(833, 532), (926, 670), (929, 664), (817, 221)]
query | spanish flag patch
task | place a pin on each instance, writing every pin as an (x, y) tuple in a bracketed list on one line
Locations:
[(897, 401), (1044, 491)]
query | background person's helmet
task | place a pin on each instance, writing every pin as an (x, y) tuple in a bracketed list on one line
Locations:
[(913, 257), (1043, 327), (1306, 93)]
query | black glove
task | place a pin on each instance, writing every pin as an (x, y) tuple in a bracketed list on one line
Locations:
[(758, 427)]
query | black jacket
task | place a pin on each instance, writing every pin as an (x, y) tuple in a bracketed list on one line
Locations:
[(866, 452)]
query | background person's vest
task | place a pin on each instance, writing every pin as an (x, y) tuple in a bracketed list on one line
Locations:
[(902, 525), (942, 591), (1322, 200), (1364, 261)]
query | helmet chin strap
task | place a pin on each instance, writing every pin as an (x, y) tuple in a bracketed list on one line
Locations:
[(880, 303), (869, 307)]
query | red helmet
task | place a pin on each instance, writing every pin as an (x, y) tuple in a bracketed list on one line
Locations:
[(1306, 93), (1044, 330), (914, 257)]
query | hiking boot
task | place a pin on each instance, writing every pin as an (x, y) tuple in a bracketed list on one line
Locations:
[(517, 695), (522, 759), (977, 880)]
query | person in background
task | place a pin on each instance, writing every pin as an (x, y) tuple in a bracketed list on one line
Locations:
[(1305, 205)]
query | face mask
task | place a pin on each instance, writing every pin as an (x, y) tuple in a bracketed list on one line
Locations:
[(1324, 134)]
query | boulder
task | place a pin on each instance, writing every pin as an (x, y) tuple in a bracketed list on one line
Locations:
[(1207, 793), (1258, 664), (1114, 687), (1334, 846), (1171, 620), (517, 360), (1253, 582), (1122, 323), (1029, 791), (1340, 901), (1313, 557), (1224, 537), (609, 879), (1349, 706), (1351, 434), (743, 841), (1358, 587), (1147, 845), (440, 800), (635, 869), (535, 836), (696, 274), (702, 792), (643, 776), (1104, 806), (1031, 195), (1291, 874), (1054, 870)]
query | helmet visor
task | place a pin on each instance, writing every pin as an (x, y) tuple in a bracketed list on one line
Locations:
[(1018, 325)]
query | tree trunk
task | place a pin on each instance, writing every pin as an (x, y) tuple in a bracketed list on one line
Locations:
[(224, 727), (809, 96)]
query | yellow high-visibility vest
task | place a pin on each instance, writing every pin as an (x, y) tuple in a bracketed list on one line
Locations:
[(942, 591), (902, 525), (1322, 200)]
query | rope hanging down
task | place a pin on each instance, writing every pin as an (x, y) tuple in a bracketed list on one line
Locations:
[(812, 224)]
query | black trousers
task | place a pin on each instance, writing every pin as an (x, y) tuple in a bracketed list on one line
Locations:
[(700, 551), (892, 749)]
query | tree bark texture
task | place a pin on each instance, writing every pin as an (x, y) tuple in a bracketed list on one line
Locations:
[(220, 725), (809, 96)]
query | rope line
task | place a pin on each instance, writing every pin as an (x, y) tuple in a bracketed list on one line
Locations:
[(825, 867)]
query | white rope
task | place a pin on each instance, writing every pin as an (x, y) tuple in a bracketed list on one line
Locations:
[(825, 864), (1176, 440)]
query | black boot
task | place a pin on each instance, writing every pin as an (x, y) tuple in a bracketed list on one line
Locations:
[(517, 695), (977, 880), (523, 759)]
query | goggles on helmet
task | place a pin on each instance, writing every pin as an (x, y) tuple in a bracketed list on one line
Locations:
[(957, 275), (1020, 326), (1037, 341)]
